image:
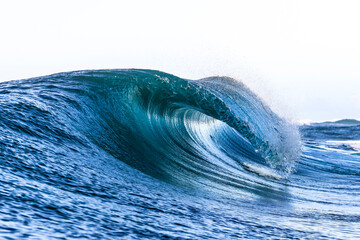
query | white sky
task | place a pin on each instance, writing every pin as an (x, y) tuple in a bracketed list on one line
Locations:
[(302, 57)]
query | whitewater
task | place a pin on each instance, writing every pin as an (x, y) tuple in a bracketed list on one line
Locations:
[(142, 154)]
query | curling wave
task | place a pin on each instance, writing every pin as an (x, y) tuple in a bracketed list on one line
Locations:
[(212, 132), (140, 154)]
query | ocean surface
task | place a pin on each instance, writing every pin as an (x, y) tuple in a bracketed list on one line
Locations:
[(141, 154)]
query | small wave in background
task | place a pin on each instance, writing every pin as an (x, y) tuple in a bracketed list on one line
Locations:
[(144, 154)]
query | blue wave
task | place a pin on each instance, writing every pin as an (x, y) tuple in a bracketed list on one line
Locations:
[(85, 151), (173, 129)]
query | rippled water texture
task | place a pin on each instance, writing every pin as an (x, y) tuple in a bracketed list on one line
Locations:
[(141, 154)]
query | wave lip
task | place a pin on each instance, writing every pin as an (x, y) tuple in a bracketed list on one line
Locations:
[(274, 138)]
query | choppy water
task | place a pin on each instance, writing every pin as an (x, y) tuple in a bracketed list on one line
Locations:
[(140, 154)]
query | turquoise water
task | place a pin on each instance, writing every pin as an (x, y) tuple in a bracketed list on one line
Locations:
[(141, 154)]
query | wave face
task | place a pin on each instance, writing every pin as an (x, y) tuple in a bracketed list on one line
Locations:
[(145, 154)]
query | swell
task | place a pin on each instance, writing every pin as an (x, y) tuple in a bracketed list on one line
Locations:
[(212, 132), (71, 145)]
